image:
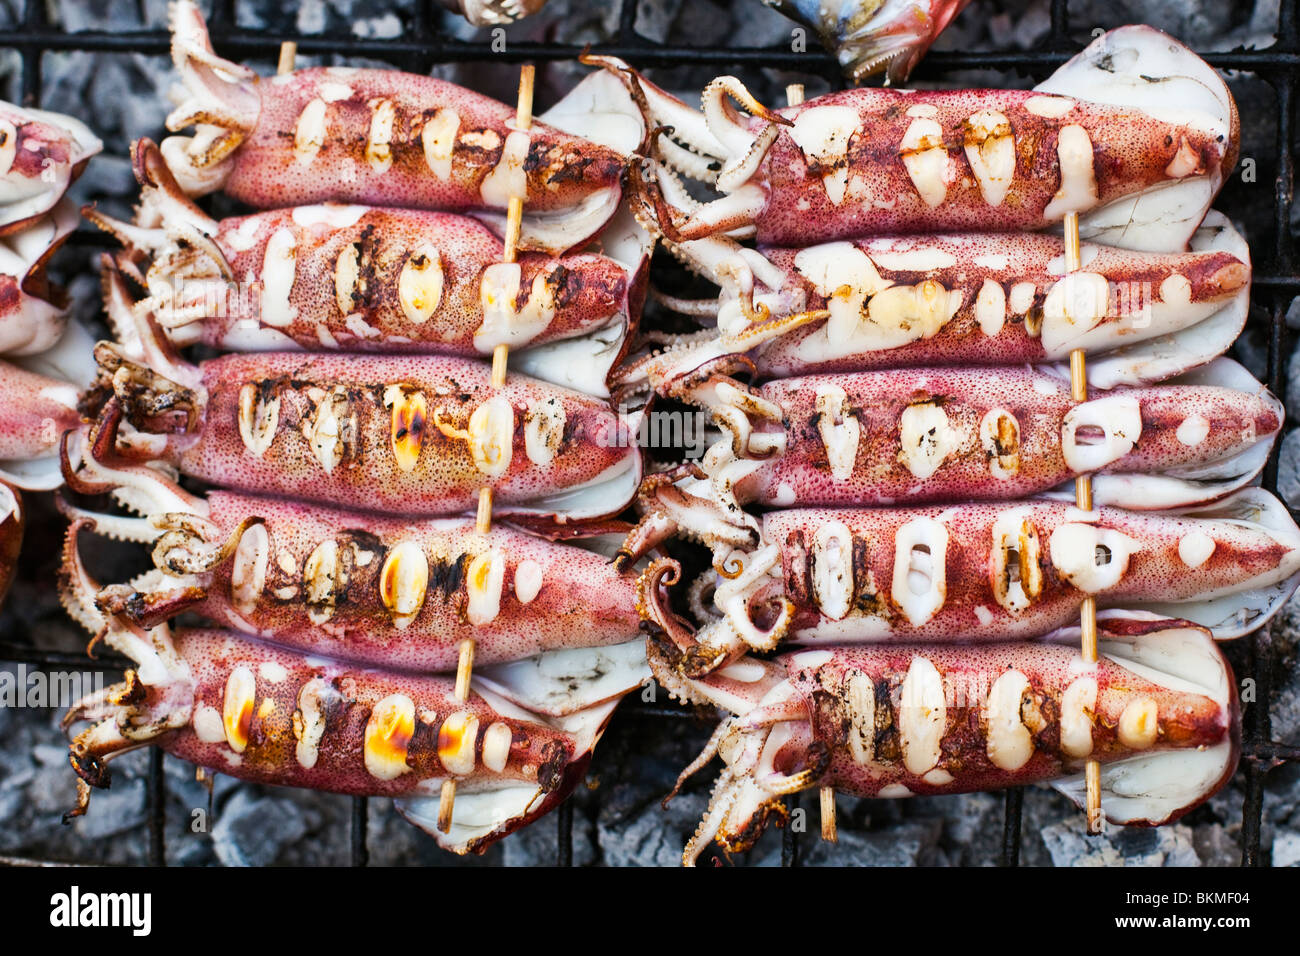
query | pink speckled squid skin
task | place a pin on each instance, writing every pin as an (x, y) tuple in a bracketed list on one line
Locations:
[(444, 479), (34, 413), (561, 170), (1188, 720), (39, 159), (970, 610), (972, 260), (28, 323), (1132, 151), (582, 601), (920, 720), (33, 309), (538, 754), (1236, 420), (588, 291)]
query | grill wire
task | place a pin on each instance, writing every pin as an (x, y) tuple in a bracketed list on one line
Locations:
[(1276, 281)]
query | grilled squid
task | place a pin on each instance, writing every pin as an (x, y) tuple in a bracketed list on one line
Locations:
[(418, 434), (35, 412), (868, 37), (1158, 711), (974, 299), (41, 154), (32, 317), (393, 592), (38, 406), (387, 138), (272, 716), (970, 572), (908, 436), (1136, 134), (355, 278)]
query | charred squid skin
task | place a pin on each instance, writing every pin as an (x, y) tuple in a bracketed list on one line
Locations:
[(270, 716), (1017, 570), (903, 140), (990, 758), (379, 137), (980, 572), (148, 610), (408, 434), (93, 462), (918, 720), (391, 592), (955, 300), (1096, 138), (996, 571), (676, 647), (353, 278), (987, 300), (918, 435)]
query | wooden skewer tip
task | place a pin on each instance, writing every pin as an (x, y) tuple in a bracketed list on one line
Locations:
[(288, 54), (829, 832), (527, 82)]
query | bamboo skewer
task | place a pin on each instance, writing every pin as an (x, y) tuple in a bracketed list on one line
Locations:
[(288, 53), (794, 94), (1083, 498), (500, 356)]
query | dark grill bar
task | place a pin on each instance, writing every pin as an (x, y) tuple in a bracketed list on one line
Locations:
[(422, 46)]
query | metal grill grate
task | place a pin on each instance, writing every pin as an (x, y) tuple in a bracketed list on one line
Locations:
[(422, 46)]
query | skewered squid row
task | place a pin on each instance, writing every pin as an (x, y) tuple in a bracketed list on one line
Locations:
[(1158, 711), (373, 589), (416, 434), (910, 436), (981, 298), (384, 138), (366, 600), (1136, 134), (971, 572), (354, 278), (256, 712)]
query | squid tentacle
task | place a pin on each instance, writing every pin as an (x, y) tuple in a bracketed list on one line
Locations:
[(732, 405), (193, 545), (100, 469), (668, 510), (77, 589), (221, 100)]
